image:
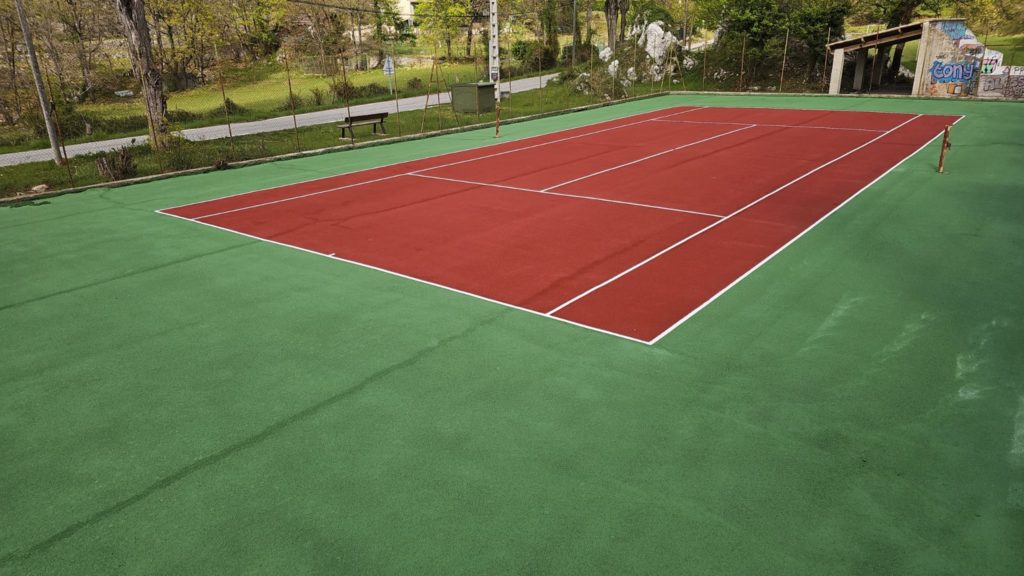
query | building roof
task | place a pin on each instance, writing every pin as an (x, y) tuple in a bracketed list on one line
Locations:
[(882, 38)]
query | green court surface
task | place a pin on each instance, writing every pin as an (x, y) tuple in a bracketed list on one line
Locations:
[(175, 399)]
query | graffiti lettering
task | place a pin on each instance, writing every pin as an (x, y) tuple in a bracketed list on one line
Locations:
[(943, 72), (954, 29)]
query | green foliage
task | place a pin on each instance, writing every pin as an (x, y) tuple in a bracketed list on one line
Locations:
[(441, 20), (117, 165)]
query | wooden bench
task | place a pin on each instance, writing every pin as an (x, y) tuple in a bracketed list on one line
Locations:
[(349, 122)]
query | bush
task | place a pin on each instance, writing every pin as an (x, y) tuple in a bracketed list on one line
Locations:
[(342, 90), (371, 89), (117, 165), (233, 107), (289, 102), (530, 52), (317, 96), (414, 83), (178, 155)]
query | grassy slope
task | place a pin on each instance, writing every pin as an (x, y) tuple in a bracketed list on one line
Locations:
[(175, 399), (22, 177)]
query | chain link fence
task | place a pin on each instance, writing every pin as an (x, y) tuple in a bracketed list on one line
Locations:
[(238, 95)]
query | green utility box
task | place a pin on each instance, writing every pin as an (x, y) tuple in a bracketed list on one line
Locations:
[(473, 97)]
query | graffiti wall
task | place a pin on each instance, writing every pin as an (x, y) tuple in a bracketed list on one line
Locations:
[(1002, 82), (954, 59)]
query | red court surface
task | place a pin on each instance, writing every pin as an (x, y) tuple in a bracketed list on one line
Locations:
[(628, 227)]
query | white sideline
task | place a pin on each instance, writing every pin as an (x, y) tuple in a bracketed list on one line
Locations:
[(502, 153), (728, 217), (441, 155), (564, 195), (766, 125), (707, 302), (655, 155), (407, 277)]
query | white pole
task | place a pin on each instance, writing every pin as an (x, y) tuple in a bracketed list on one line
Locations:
[(37, 76), (492, 53)]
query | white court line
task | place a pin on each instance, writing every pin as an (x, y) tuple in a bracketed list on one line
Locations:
[(289, 199), (655, 155), (580, 196), (406, 277), (727, 218), (443, 154), (766, 125), (413, 173), (502, 153), (707, 302)]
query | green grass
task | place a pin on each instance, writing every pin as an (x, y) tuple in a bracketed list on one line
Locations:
[(181, 400), (19, 178), (261, 91)]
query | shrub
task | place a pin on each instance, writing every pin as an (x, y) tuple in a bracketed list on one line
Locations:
[(233, 107), (414, 83), (371, 89), (342, 90), (293, 101), (317, 96), (117, 164), (530, 52), (177, 155)]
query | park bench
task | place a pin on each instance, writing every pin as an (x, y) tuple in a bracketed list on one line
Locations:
[(349, 122)]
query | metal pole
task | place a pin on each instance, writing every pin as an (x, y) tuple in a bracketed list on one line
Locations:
[(60, 136), (345, 95), (291, 100), (493, 55), (224, 100), (37, 76), (743, 56), (785, 48), (394, 59), (704, 74), (575, 17), (824, 66)]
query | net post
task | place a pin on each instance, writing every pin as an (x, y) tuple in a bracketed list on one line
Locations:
[(945, 146), (497, 119)]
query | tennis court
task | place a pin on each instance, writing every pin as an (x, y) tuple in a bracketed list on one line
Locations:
[(627, 227), (460, 354)]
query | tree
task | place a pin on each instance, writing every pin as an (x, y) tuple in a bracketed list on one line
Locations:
[(44, 102), (441, 19), (136, 31), (613, 11)]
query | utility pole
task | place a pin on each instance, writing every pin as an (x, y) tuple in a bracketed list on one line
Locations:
[(44, 102), (493, 58)]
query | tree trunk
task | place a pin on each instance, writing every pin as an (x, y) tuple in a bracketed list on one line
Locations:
[(623, 21), (44, 103), (136, 30), (901, 14), (590, 23), (380, 32), (611, 17)]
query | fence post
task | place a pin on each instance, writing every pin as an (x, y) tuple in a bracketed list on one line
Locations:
[(224, 101), (824, 65), (291, 100), (394, 59), (345, 97), (743, 57), (782, 72)]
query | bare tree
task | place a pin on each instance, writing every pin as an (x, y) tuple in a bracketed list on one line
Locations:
[(44, 103), (136, 31), (613, 11)]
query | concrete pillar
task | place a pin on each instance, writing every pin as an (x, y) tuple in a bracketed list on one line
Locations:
[(882, 57), (924, 55), (836, 80), (858, 74)]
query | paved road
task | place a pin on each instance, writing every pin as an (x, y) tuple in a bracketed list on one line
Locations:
[(257, 126)]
